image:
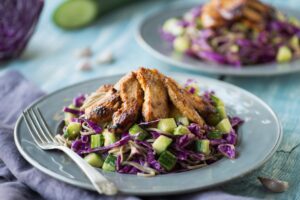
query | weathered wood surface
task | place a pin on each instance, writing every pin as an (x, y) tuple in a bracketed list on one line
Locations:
[(49, 61)]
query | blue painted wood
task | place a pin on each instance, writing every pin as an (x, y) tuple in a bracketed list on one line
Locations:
[(49, 61)]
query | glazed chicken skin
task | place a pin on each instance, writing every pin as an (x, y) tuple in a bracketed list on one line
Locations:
[(155, 104), (131, 95), (218, 13)]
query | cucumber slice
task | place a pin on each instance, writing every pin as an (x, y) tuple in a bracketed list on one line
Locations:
[(284, 54), (167, 160), (161, 144), (224, 126), (97, 141), (72, 131), (203, 146), (140, 133), (94, 159), (181, 130), (215, 134), (183, 120), (293, 20), (74, 14), (181, 44), (109, 164), (167, 125), (109, 137)]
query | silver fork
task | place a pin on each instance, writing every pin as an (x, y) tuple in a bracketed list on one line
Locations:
[(44, 139)]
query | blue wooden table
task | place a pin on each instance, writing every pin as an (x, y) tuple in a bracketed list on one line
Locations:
[(49, 61)]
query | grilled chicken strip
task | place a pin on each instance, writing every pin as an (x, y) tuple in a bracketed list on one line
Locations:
[(218, 13), (182, 102), (104, 106), (197, 102), (155, 104), (131, 95)]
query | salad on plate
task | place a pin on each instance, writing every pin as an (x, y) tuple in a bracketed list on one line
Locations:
[(147, 124), (234, 33)]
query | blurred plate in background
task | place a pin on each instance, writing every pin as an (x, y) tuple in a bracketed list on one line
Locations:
[(149, 38)]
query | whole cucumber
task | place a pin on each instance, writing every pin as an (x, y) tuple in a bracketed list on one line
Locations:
[(75, 14)]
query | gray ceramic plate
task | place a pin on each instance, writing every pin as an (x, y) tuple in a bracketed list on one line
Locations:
[(149, 38), (259, 138)]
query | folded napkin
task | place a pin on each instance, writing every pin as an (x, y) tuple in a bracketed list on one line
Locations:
[(19, 180)]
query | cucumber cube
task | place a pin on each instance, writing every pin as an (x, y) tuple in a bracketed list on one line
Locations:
[(284, 54), (69, 116), (294, 42), (181, 130), (203, 146), (172, 26), (181, 44), (167, 160), (94, 159), (224, 126), (109, 164), (140, 133), (183, 120), (217, 101), (222, 112), (161, 144), (109, 137), (167, 125), (73, 130), (97, 141), (215, 134)]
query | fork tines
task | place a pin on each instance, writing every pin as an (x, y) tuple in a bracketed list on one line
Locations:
[(38, 127)]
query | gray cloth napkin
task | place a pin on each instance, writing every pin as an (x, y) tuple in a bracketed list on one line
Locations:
[(19, 180)]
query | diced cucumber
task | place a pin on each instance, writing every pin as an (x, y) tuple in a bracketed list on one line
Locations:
[(109, 164), (217, 101), (234, 48), (215, 134), (94, 159), (181, 44), (172, 26), (181, 130), (140, 133), (183, 120), (284, 54), (97, 141), (69, 116), (294, 42), (109, 137), (214, 118), (203, 146), (224, 126), (76, 13), (73, 130), (161, 144), (167, 160), (167, 125), (293, 20), (222, 112)]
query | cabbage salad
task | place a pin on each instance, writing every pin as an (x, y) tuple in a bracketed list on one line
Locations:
[(234, 35), (172, 144)]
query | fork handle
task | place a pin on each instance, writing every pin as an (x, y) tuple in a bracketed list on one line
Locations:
[(101, 184)]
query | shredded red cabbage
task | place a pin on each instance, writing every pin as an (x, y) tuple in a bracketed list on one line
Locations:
[(17, 23), (227, 150)]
